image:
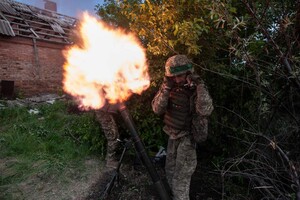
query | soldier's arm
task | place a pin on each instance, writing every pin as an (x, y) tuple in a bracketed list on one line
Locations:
[(203, 101), (160, 101)]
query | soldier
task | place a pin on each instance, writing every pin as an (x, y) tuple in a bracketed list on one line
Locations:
[(110, 129), (186, 104)]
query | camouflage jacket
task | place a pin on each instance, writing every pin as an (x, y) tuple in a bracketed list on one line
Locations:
[(203, 108)]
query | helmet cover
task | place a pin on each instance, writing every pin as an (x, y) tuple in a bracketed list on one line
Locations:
[(177, 65)]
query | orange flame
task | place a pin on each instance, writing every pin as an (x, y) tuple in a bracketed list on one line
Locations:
[(110, 65)]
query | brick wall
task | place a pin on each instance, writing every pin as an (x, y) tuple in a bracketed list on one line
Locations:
[(35, 67)]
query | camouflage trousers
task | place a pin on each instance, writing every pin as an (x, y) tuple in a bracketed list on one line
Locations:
[(110, 129), (181, 163)]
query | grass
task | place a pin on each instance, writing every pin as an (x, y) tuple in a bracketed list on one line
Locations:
[(46, 144)]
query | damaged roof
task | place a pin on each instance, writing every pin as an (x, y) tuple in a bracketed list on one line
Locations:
[(18, 19)]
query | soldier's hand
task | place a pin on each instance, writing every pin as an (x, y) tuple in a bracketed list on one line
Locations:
[(193, 78), (168, 82)]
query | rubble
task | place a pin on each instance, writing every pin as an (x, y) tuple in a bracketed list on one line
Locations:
[(32, 101)]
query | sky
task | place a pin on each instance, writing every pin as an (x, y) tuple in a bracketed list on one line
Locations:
[(71, 8)]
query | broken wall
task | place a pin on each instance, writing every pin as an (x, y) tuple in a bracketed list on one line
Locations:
[(34, 67)]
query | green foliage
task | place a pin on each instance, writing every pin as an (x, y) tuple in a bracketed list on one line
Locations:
[(248, 54), (165, 27)]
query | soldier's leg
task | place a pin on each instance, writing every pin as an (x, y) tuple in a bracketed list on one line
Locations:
[(110, 129), (111, 157), (186, 163), (171, 160)]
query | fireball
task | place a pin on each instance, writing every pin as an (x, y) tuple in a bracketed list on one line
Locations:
[(109, 66)]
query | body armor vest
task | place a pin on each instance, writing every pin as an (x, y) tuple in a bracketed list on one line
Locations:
[(180, 108)]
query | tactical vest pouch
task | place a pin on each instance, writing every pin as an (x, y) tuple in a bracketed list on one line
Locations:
[(199, 128)]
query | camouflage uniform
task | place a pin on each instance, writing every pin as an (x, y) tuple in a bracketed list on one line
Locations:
[(110, 129), (192, 105)]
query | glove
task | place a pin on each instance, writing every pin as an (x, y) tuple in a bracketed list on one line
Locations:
[(168, 83), (193, 78)]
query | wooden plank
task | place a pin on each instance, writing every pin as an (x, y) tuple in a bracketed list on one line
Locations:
[(48, 40), (28, 20), (47, 34), (17, 23), (33, 24), (37, 33)]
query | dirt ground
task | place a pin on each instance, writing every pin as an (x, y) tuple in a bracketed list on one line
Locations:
[(134, 183), (71, 185)]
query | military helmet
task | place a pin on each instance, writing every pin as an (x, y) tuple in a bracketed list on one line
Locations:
[(178, 64)]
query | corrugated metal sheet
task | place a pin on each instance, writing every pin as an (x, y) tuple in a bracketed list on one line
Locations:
[(5, 7), (44, 17), (21, 7), (42, 23), (57, 28), (64, 20), (5, 28)]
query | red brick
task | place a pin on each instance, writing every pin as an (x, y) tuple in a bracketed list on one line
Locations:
[(18, 64)]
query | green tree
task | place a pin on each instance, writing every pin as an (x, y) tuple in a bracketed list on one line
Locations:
[(248, 53)]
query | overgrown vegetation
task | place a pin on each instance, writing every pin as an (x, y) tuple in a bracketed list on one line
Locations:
[(247, 51), (248, 54), (45, 144)]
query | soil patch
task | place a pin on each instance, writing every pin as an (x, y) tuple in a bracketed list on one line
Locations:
[(134, 183), (72, 184)]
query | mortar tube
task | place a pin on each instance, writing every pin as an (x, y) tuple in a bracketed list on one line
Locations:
[(140, 149)]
